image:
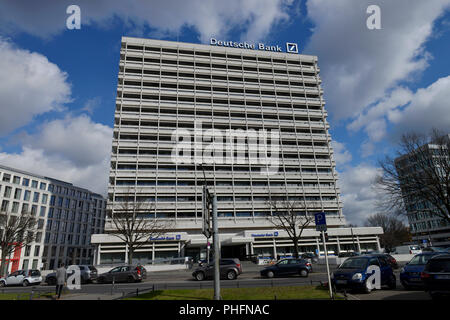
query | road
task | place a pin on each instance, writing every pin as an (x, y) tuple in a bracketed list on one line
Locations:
[(182, 279)]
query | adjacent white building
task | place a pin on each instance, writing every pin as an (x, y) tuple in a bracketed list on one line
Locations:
[(252, 101), (66, 216)]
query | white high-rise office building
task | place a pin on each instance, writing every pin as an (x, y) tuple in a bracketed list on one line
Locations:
[(264, 111)]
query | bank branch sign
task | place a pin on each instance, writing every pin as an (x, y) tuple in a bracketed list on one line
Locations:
[(291, 47)]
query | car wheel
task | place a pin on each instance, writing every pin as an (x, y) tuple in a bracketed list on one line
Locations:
[(130, 279), (303, 273), (231, 275), (392, 283), (101, 280), (270, 274), (199, 276), (25, 283), (2, 284)]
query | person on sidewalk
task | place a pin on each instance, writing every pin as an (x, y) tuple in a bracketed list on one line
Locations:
[(61, 278)]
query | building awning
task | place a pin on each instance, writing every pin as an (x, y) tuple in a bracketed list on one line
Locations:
[(237, 240)]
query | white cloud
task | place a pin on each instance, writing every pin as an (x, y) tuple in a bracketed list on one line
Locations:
[(357, 194), (29, 85), (359, 66), (74, 149), (405, 110), (47, 17), (341, 155)]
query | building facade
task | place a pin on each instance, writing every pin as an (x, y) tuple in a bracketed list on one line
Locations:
[(426, 228), (66, 217), (246, 121)]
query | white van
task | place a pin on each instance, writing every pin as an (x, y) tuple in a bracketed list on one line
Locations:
[(408, 249)]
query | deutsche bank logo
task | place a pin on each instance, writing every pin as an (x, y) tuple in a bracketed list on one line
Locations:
[(291, 47)]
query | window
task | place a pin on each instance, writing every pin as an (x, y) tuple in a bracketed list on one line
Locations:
[(6, 177), (43, 186), (44, 198), (374, 262), (8, 191), (16, 180), (17, 193), (25, 208), (40, 225), (25, 264), (33, 209), (25, 182), (5, 205), (51, 187), (15, 207), (34, 184), (26, 196), (42, 212), (36, 197), (36, 251)]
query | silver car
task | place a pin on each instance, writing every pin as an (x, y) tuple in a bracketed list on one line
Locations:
[(22, 278)]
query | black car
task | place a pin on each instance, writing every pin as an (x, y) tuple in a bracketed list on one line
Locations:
[(311, 257), (88, 274), (286, 267), (436, 276), (127, 273), (230, 269)]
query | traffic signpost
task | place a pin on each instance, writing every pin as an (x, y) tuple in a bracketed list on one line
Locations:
[(321, 226)]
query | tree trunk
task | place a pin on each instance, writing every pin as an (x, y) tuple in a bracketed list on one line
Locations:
[(295, 240), (130, 255), (3, 264)]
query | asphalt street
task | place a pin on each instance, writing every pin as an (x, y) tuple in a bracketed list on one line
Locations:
[(182, 279)]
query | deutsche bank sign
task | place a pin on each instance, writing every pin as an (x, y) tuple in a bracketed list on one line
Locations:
[(290, 46)]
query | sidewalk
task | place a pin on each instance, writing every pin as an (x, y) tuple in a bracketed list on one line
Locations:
[(92, 296)]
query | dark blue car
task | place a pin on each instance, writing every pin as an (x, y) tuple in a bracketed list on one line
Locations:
[(410, 273), (353, 273)]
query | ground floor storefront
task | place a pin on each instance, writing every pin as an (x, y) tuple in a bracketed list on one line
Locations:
[(177, 247)]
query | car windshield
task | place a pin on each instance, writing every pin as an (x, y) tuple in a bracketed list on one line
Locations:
[(419, 260), (354, 263)]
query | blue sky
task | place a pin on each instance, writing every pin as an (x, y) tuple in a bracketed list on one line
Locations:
[(58, 86)]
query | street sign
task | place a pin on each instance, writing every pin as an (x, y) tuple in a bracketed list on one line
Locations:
[(321, 221)]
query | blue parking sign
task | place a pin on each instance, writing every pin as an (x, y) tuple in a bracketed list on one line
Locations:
[(321, 221)]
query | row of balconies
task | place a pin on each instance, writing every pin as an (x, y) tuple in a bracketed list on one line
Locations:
[(169, 67), (218, 82), (222, 205), (218, 60), (218, 72), (168, 131)]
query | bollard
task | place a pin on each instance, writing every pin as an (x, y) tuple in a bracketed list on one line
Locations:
[(137, 292)]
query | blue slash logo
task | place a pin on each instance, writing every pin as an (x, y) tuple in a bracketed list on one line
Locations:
[(291, 47)]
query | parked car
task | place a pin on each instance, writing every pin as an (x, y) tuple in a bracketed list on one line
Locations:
[(352, 273), (390, 259), (348, 254), (88, 274), (311, 257), (286, 267), (410, 273), (22, 278), (408, 249), (230, 269), (436, 276), (123, 274)]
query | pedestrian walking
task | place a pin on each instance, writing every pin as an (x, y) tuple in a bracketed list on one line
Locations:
[(61, 278)]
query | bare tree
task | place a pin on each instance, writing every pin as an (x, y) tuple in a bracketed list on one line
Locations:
[(135, 223), (16, 232), (290, 216), (395, 231), (420, 173)]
